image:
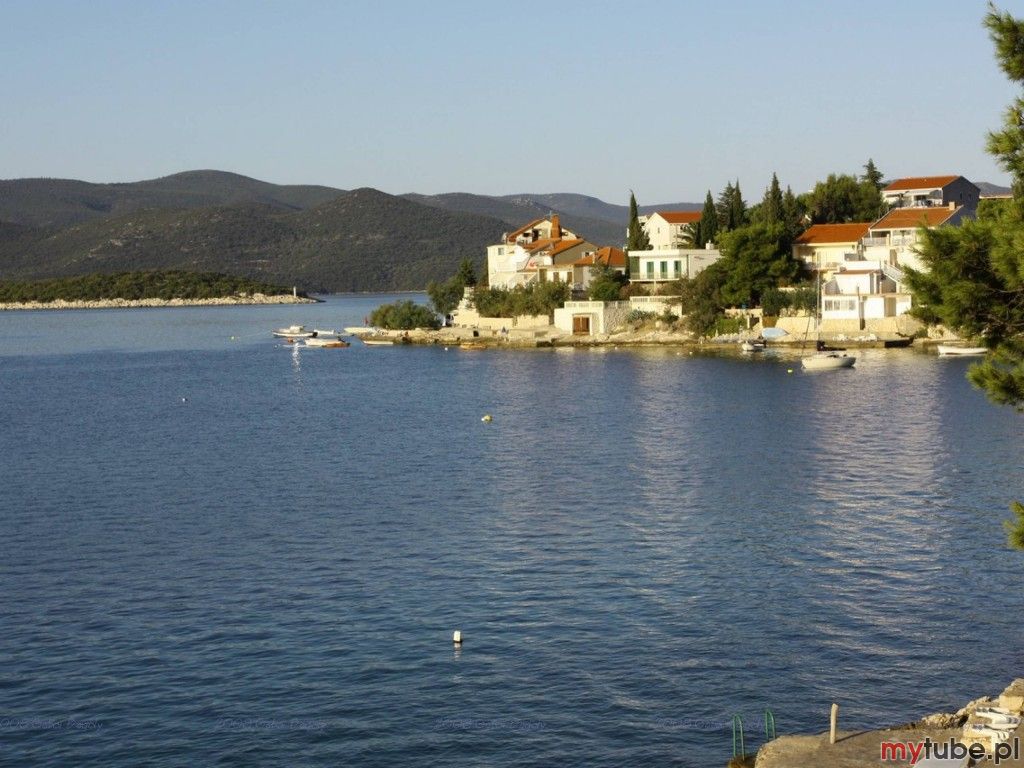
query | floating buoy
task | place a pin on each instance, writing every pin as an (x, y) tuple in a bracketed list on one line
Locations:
[(184, 399), (486, 418), (457, 637), (789, 370)]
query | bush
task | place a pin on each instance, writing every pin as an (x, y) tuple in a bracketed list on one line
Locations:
[(727, 325), (404, 316), (639, 316), (535, 299)]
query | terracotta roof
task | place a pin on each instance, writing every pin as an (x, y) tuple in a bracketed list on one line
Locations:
[(564, 245), (511, 236), (539, 245), (679, 217), (834, 233), (607, 255), (912, 218), (920, 182)]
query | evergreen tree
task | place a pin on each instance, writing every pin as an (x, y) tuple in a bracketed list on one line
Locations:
[(975, 278), (723, 208), (737, 208), (708, 222), (636, 239), (771, 205), (872, 175), (792, 214)]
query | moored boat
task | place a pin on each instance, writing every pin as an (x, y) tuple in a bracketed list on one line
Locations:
[(293, 332), (950, 350), (825, 361), (378, 342), (328, 342), (756, 345)]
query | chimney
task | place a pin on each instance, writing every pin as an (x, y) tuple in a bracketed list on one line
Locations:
[(556, 227)]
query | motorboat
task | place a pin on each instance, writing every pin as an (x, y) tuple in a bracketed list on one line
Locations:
[(949, 350), (826, 361), (294, 332), (378, 342), (320, 333), (755, 345), (329, 342)]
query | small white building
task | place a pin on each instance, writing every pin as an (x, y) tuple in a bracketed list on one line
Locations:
[(668, 229), (863, 290), (583, 268), (587, 318), (822, 246), (653, 268), (893, 238)]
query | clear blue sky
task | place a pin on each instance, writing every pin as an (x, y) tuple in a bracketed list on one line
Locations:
[(669, 99)]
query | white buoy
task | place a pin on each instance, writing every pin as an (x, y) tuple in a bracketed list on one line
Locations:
[(486, 418), (184, 399), (457, 637)]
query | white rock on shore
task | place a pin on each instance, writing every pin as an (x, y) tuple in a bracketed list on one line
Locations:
[(239, 299)]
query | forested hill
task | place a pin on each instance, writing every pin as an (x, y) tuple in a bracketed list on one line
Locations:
[(364, 240), (63, 202)]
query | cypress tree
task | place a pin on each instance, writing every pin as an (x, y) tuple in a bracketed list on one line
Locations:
[(872, 174), (708, 222), (724, 208), (636, 239), (737, 208), (771, 206)]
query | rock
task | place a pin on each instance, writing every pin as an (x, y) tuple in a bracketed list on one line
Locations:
[(1013, 696)]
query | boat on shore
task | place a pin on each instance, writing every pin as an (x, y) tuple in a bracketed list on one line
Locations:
[(952, 350), (755, 345), (293, 332), (378, 342), (360, 330)]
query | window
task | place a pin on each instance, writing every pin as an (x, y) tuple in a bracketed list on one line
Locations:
[(650, 269), (677, 268), (664, 269)]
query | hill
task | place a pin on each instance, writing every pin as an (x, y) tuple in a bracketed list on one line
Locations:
[(364, 240), (60, 203), (592, 208), (987, 188)]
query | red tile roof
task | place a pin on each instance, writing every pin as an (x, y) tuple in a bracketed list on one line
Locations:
[(912, 218), (511, 236), (679, 217), (819, 234), (920, 182), (564, 245), (607, 255)]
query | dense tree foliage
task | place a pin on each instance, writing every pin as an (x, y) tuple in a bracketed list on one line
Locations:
[(843, 198), (731, 209), (133, 286), (756, 258), (534, 299), (974, 281), (605, 283), (404, 316)]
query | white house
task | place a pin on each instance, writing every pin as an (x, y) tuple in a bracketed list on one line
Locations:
[(583, 267), (654, 268), (932, 191), (893, 238), (667, 229), (862, 290), (823, 245), (507, 261)]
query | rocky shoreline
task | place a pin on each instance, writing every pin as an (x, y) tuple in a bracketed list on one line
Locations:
[(238, 300), (862, 749)]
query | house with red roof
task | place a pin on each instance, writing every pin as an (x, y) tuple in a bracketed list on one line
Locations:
[(932, 192), (530, 253), (668, 229), (823, 246), (672, 255)]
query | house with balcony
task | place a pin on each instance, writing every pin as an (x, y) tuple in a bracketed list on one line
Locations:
[(668, 259), (862, 290), (932, 192), (822, 246), (519, 257), (894, 237)]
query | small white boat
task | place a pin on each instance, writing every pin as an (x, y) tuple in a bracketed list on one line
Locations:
[(826, 361), (378, 342), (361, 330), (947, 350), (322, 334), (326, 342), (293, 332), (998, 718), (753, 346)]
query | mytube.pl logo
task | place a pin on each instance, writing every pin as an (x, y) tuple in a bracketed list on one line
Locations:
[(913, 751)]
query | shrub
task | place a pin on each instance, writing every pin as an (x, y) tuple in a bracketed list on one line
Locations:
[(639, 316), (404, 316)]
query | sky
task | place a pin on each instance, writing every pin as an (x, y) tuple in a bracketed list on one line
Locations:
[(669, 99)]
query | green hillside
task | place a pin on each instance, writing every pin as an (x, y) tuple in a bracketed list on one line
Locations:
[(64, 202), (364, 240)]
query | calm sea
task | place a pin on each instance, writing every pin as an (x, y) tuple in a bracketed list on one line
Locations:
[(219, 550)]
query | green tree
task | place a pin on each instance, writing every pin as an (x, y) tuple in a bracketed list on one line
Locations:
[(605, 283), (404, 316), (731, 209), (701, 300), (974, 282), (842, 198), (636, 239), (771, 210), (445, 297), (792, 214), (707, 230), (872, 175), (755, 258), (467, 273)]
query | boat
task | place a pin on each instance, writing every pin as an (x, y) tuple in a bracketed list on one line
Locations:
[(757, 345), (378, 342), (472, 345), (825, 358), (326, 342), (360, 330), (950, 350), (320, 333), (293, 332)]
